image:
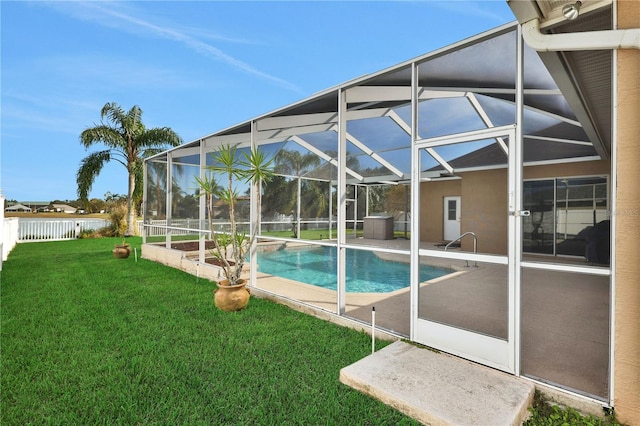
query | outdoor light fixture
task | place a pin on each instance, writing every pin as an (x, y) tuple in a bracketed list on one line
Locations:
[(571, 11)]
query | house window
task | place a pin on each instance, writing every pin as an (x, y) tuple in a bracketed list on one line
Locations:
[(452, 210), (569, 216)]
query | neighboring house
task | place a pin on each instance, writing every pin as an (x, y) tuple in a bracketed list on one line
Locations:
[(529, 153), (18, 208), (35, 206), (62, 208)]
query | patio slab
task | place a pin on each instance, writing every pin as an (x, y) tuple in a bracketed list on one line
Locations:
[(439, 389)]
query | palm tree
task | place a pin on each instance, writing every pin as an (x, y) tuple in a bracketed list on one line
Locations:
[(296, 164), (128, 142)]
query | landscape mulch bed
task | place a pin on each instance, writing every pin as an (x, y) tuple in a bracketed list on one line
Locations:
[(195, 246), (191, 245)]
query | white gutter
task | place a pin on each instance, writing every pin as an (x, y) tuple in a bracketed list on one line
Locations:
[(589, 40)]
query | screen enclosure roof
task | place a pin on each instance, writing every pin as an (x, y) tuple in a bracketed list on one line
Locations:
[(467, 86)]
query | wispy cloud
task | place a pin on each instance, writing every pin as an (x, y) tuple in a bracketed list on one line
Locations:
[(110, 14), (206, 34), (23, 112), (102, 70), (81, 80)]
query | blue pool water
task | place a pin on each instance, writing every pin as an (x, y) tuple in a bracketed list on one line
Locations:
[(366, 273)]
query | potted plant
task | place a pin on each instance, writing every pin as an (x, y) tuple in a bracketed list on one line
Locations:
[(122, 251), (231, 247)]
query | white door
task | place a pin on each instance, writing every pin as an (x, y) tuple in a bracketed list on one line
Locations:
[(451, 218)]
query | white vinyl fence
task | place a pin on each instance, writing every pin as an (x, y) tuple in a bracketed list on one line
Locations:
[(31, 230), (9, 236), (157, 228)]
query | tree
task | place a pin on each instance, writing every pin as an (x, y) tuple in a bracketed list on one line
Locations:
[(278, 196), (397, 199), (111, 200), (96, 205), (296, 164), (128, 142)]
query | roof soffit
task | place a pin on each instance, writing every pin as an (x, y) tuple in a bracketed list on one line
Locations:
[(584, 77)]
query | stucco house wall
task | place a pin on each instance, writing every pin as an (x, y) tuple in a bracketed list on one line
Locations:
[(484, 210), (432, 208), (484, 202), (626, 360)]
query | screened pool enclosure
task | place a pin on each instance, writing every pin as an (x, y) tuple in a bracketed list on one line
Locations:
[(469, 159)]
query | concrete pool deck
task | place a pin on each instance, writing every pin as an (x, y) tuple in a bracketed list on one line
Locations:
[(563, 314), (392, 308)]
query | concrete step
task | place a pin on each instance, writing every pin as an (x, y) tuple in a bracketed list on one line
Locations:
[(439, 389)]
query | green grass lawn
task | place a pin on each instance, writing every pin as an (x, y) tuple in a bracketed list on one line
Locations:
[(90, 339)]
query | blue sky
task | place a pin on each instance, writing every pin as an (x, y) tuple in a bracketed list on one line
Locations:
[(196, 67)]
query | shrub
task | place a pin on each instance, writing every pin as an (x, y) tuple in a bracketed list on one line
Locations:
[(106, 231), (118, 215)]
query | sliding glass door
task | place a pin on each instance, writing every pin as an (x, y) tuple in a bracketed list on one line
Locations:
[(569, 217)]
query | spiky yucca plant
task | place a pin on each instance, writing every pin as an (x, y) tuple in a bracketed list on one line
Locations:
[(232, 248)]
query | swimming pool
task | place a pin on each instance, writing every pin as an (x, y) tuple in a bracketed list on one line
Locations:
[(366, 273)]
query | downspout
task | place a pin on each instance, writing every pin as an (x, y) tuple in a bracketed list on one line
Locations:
[(588, 40)]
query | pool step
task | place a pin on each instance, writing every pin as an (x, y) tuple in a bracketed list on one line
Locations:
[(436, 388)]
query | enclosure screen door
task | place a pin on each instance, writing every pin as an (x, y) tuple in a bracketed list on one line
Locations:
[(470, 311)]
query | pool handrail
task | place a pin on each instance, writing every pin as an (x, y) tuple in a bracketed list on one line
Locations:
[(475, 244)]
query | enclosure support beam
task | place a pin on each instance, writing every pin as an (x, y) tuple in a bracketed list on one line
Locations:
[(486, 119), (409, 129), (515, 155), (169, 196), (142, 228), (342, 201), (415, 206), (299, 190), (254, 213), (202, 206)]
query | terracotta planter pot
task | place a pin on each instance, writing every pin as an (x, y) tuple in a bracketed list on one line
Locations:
[(231, 298), (122, 251)]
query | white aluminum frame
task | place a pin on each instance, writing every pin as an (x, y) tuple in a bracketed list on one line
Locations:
[(488, 350)]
